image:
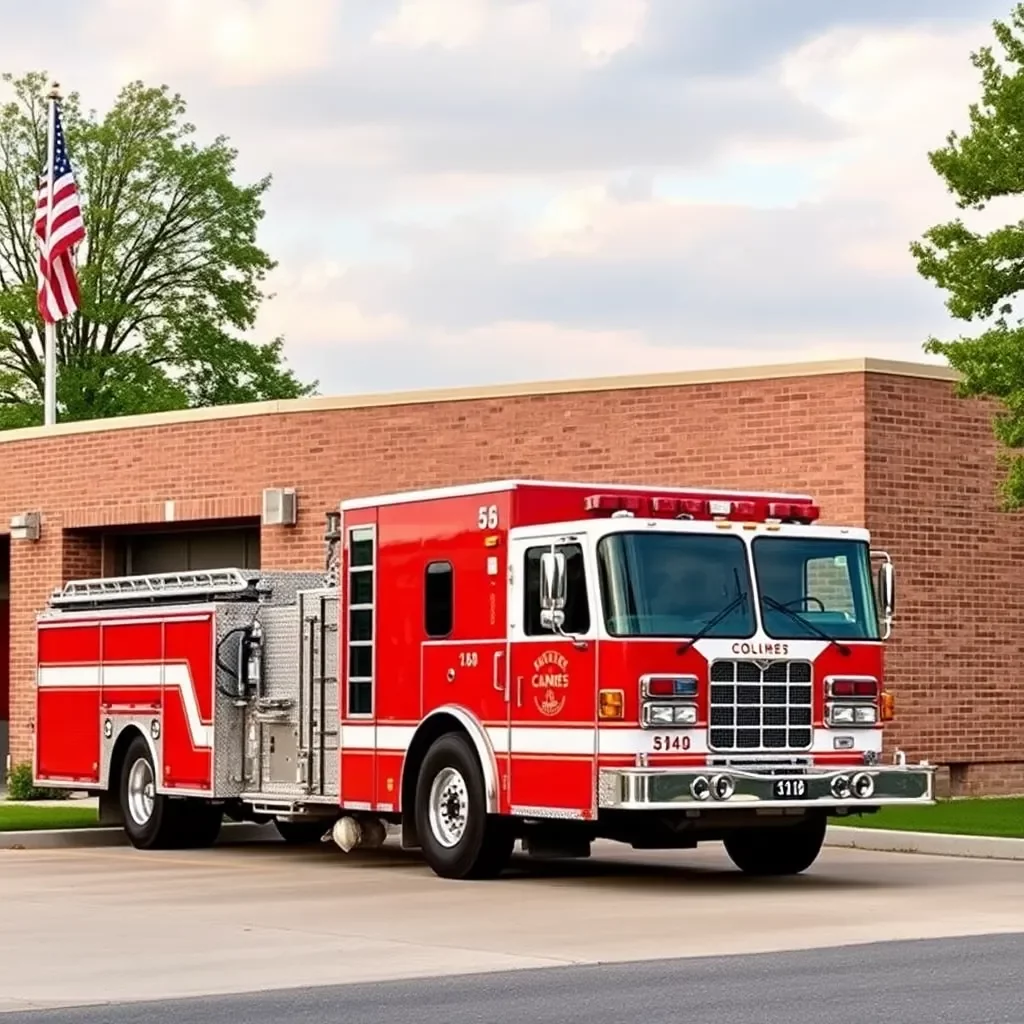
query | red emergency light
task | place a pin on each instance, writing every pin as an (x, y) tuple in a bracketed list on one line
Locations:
[(853, 688), (690, 508), (793, 511), (608, 503)]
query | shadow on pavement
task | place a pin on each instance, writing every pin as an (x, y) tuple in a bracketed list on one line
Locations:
[(611, 868)]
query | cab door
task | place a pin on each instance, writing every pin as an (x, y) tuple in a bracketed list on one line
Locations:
[(552, 694)]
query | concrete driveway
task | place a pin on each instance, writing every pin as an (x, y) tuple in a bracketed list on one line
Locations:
[(93, 925)]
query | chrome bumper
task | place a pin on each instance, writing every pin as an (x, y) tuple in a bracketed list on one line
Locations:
[(793, 788)]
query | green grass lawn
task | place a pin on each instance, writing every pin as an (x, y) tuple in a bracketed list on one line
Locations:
[(1002, 816), (994, 817), (18, 817)]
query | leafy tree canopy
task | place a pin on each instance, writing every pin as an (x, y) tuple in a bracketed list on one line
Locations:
[(170, 272), (983, 273)]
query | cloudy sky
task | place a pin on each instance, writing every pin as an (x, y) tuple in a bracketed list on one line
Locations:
[(483, 191)]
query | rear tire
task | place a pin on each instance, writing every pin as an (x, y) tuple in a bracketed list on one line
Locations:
[(151, 820), (459, 838), (779, 849)]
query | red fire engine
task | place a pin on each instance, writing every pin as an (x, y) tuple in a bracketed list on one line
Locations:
[(542, 662)]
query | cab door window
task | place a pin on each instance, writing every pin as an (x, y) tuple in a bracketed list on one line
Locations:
[(577, 606)]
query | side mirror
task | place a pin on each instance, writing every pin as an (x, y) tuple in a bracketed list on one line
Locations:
[(887, 593), (553, 584)]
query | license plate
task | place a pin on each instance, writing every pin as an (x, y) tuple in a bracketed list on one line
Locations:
[(790, 789)]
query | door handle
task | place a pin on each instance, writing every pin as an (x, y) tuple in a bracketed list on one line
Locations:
[(519, 691), (499, 685)]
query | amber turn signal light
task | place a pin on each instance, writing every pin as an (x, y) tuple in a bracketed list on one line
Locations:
[(888, 707), (610, 704)]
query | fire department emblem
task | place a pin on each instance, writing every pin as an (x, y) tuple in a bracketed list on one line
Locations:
[(550, 683)]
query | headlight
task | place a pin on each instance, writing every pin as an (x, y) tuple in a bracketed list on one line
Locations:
[(670, 714), (840, 787), (841, 715), (862, 785), (686, 714), (852, 714)]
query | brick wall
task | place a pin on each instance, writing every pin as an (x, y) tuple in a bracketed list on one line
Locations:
[(901, 452), (958, 643), (798, 433)]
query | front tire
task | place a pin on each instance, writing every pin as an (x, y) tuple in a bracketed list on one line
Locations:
[(779, 849), (459, 838)]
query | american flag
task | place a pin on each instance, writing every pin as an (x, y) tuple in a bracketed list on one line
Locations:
[(58, 230)]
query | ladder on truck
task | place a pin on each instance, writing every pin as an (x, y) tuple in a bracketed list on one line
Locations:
[(319, 691), (156, 587)]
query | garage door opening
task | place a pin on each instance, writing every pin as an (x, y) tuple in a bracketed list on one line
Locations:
[(142, 552)]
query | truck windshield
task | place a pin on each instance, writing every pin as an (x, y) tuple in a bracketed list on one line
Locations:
[(825, 581), (673, 584)]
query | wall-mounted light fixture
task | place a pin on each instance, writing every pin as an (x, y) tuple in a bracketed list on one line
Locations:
[(25, 526), (280, 506)]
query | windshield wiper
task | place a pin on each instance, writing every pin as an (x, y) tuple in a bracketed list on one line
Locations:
[(797, 617), (711, 623)]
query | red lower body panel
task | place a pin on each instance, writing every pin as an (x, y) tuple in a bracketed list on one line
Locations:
[(68, 735), (356, 788), (560, 783), (389, 779)]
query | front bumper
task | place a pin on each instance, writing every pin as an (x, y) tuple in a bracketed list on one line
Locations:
[(728, 787)]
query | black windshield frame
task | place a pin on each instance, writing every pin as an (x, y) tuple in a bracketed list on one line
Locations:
[(643, 593), (774, 555)]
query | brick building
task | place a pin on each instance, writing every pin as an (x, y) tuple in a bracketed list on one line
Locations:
[(881, 443)]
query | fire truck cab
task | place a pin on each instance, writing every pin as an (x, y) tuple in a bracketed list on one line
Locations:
[(528, 661)]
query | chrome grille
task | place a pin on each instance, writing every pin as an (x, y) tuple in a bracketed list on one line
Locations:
[(754, 708)]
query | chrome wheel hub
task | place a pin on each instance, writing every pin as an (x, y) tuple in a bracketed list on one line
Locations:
[(449, 807), (141, 792)]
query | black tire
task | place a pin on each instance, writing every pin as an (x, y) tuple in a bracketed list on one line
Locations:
[(778, 849), (162, 826), (199, 824), (301, 833), (483, 846)]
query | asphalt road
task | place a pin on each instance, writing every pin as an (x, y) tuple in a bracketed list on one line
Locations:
[(945, 981)]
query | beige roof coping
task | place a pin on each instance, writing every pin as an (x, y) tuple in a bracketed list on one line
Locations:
[(326, 403)]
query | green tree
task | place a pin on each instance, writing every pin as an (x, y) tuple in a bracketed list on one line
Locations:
[(984, 272), (170, 272)]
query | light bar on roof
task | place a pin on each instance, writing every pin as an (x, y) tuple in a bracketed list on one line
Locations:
[(662, 506)]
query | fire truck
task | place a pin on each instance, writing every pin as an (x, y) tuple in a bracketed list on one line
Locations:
[(508, 662)]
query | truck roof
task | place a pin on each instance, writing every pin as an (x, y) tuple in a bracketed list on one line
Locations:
[(496, 486)]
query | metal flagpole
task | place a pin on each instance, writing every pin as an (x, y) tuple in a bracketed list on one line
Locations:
[(50, 329)]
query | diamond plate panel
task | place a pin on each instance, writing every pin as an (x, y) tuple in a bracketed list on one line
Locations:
[(242, 749)]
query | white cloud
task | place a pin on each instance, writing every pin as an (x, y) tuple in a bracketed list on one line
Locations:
[(899, 92), (613, 26), (309, 295), (448, 23), (226, 42)]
